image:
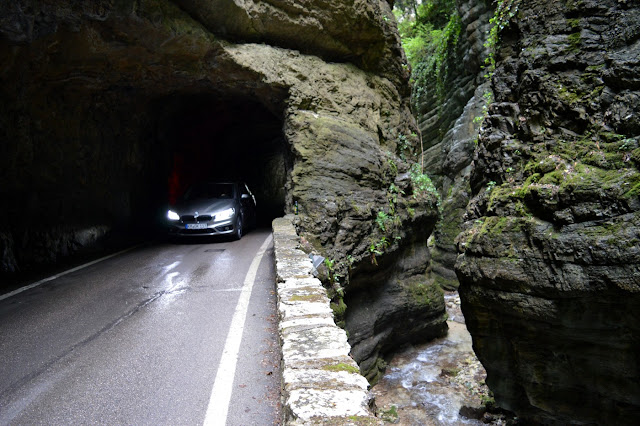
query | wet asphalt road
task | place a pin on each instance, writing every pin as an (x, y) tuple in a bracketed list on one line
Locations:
[(136, 339)]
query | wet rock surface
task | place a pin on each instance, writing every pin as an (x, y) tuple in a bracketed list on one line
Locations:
[(438, 383), (550, 283)]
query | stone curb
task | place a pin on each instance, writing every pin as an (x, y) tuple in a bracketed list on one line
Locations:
[(321, 384)]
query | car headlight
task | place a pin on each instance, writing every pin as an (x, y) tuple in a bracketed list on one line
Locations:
[(225, 214), (171, 215)]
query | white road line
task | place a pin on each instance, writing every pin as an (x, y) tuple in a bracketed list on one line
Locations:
[(218, 408), (77, 268)]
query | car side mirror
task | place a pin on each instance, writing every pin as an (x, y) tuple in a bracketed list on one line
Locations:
[(245, 196)]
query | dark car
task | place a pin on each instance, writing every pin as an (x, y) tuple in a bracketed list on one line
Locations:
[(213, 208)]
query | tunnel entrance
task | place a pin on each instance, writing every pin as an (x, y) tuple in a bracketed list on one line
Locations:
[(209, 138)]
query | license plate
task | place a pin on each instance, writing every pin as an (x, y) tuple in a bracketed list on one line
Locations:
[(196, 226)]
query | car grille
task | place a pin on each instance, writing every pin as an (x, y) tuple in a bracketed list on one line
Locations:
[(192, 219)]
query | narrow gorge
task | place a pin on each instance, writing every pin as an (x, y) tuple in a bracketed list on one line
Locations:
[(531, 120), (502, 159)]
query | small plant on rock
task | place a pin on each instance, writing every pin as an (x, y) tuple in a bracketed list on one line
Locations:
[(382, 220), (422, 183)]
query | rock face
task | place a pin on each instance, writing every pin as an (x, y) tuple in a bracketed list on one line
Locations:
[(550, 265), (109, 108), (447, 109)]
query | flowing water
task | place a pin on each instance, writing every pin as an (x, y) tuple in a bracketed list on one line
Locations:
[(429, 384)]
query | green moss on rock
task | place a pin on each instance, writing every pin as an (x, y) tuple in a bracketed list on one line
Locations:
[(424, 292), (446, 283), (341, 367)]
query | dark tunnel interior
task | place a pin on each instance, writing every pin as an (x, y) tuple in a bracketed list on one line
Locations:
[(208, 138), (106, 169)]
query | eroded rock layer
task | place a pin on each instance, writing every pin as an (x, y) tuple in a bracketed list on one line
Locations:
[(448, 102), (550, 266), (106, 101)]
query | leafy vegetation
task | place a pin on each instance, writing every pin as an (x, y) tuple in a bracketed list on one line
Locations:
[(406, 144), (422, 183), (334, 278), (429, 30), (506, 10), (382, 220), (388, 220)]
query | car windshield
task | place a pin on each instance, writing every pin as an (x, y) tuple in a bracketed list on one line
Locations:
[(209, 190)]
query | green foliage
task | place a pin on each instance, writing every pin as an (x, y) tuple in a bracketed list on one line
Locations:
[(505, 11), (392, 196), (422, 183), (334, 278), (382, 220), (405, 145), (376, 248), (388, 222), (329, 263), (429, 32)]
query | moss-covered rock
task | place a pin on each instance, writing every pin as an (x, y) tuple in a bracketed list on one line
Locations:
[(549, 266)]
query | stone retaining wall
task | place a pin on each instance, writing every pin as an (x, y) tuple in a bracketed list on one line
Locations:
[(321, 384)]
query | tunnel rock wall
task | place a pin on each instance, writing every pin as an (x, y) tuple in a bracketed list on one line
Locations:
[(93, 92), (549, 271), (77, 124), (343, 126)]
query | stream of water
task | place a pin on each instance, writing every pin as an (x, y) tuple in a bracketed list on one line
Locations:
[(429, 384)]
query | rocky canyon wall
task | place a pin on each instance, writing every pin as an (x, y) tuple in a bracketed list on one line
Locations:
[(99, 96), (448, 100), (550, 265)]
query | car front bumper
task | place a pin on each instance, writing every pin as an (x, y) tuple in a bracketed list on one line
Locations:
[(180, 229)]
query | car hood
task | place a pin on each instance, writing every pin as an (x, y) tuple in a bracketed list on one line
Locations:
[(206, 206)]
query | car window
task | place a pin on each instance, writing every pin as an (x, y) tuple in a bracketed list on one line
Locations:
[(209, 190)]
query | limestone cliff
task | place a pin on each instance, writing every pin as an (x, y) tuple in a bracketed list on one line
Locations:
[(103, 100), (550, 265), (449, 95)]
